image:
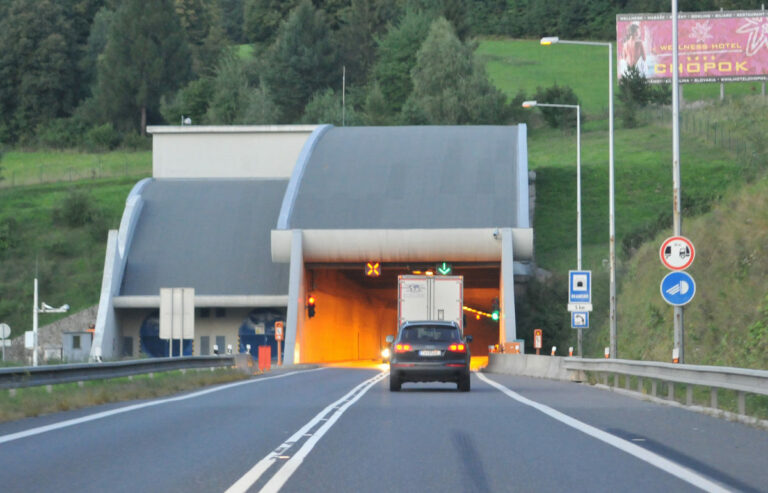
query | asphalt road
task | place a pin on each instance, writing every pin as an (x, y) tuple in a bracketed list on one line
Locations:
[(342, 430)]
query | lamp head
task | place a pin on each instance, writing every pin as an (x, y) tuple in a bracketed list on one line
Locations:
[(529, 104), (546, 41)]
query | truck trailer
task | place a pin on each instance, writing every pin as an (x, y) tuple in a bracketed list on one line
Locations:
[(430, 298)]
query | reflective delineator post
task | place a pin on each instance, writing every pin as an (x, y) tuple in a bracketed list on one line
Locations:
[(607, 352)]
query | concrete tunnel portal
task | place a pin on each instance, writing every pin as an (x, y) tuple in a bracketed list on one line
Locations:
[(354, 312)]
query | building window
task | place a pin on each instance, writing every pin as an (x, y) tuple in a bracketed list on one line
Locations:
[(205, 313), (221, 313), (127, 347), (75, 342)]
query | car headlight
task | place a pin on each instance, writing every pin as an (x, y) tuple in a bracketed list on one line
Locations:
[(385, 353)]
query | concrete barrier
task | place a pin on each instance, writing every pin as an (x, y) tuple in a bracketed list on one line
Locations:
[(531, 365)]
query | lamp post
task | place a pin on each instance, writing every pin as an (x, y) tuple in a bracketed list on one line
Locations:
[(533, 104), (546, 41), (43, 308)]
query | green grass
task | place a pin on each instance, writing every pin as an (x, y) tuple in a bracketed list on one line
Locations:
[(245, 51), (34, 168), (517, 64), (36, 401), (69, 261)]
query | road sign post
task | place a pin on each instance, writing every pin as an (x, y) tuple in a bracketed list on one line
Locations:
[(580, 301), (677, 254), (279, 336)]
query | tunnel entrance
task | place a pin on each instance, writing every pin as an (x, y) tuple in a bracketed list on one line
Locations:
[(355, 312)]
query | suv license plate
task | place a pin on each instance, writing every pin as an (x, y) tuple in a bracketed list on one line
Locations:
[(430, 352)]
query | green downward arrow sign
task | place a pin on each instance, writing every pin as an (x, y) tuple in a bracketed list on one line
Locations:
[(444, 269)]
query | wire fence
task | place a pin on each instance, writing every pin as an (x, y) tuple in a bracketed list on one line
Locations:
[(705, 127), (51, 173)]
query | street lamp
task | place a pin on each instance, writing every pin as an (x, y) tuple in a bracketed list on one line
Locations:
[(43, 308), (533, 104), (546, 41)]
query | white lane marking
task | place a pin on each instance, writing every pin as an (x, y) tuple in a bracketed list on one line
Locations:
[(653, 459), (289, 467), (92, 417)]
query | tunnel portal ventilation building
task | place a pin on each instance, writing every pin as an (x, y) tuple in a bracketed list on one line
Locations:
[(250, 219)]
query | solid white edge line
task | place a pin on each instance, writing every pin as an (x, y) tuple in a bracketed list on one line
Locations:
[(254, 474), (651, 458), (104, 414)]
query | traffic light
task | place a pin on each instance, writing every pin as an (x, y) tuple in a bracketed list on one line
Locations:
[(495, 310), (311, 306)]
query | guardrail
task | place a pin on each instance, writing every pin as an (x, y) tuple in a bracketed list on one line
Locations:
[(741, 380), (30, 376)]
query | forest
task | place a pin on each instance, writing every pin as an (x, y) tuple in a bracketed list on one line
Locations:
[(93, 74)]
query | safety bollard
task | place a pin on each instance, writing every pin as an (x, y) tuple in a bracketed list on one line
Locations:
[(554, 348), (607, 352), (570, 351)]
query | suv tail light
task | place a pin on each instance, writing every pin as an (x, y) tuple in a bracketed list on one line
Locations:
[(401, 348), (458, 348)]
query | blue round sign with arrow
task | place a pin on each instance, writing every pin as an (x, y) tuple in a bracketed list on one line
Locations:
[(678, 288)]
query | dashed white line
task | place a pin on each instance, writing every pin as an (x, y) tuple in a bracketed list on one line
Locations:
[(645, 455)]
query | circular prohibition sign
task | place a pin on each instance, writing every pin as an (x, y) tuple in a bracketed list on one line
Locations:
[(677, 253)]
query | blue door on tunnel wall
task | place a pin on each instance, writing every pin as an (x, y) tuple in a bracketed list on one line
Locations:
[(258, 329), (152, 345)]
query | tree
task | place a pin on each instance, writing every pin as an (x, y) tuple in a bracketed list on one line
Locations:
[(232, 19), (449, 86), (146, 57), (262, 18), (38, 66), (201, 21), (636, 92), (360, 24), (302, 61), (325, 107), (557, 117), (397, 56)]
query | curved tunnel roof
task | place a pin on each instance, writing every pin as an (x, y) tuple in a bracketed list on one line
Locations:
[(410, 178), (209, 234)]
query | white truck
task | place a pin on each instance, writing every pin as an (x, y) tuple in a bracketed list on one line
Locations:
[(430, 298)]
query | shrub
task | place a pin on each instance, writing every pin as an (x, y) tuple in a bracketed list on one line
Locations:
[(136, 142), (76, 209), (102, 138), (60, 133)]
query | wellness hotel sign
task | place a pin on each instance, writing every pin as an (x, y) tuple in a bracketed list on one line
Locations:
[(712, 46)]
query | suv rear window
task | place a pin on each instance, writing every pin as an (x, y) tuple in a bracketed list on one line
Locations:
[(429, 333)]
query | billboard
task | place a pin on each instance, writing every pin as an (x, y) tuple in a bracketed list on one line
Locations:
[(712, 46)]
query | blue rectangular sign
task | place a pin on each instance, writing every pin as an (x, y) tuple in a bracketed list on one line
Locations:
[(579, 320), (579, 286)]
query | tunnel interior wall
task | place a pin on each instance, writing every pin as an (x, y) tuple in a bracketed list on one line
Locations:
[(350, 322)]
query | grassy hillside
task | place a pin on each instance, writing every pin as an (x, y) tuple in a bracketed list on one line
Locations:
[(727, 321), (515, 65), (58, 231), (722, 148)]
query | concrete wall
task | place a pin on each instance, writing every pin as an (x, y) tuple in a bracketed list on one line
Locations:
[(529, 365), (226, 151), (129, 322), (350, 323)]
